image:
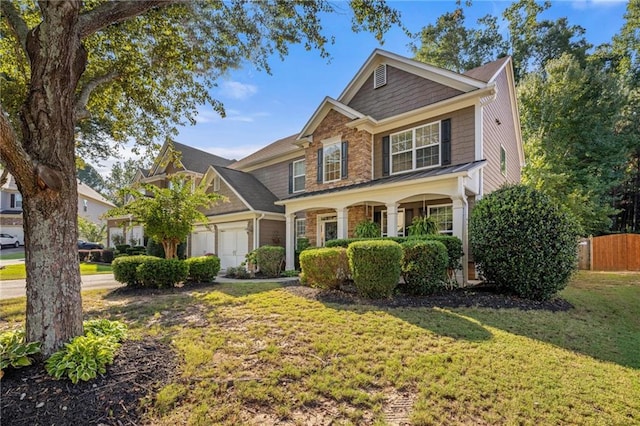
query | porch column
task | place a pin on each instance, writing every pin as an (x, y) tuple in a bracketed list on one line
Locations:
[(460, 228), (392, 220), (343, 222), (290, 244)]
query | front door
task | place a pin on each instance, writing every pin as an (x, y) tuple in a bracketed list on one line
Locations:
[(328, 229)]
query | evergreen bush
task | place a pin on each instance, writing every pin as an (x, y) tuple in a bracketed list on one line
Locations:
[(523, 242), (162, 273), (424, 266), (375, 267), (203, 269), (125, 269), (325, 268), (270, 260)]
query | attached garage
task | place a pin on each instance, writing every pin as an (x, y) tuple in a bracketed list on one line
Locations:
[(233, 243), (202, 242)]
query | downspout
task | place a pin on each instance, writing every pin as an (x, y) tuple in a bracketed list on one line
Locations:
[(256, 230)]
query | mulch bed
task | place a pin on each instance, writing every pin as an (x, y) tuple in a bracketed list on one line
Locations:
[(29, 396)]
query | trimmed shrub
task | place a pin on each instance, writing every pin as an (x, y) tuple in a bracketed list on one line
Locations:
[(95, 256), (424, 266), (203, 269), (162, 273), (122, 248), (83, 255), (239, 272), (325, 268), (375, 267), (270, 260), (523, 242), (107, 255), (124, 269)]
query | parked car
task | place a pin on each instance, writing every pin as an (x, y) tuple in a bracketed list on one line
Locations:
[(9, 240), (87, 245)]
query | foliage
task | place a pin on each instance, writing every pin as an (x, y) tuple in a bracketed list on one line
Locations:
[(424, 266), (161, 273), (120, 177), (203, 269), (89, 176), (168, 214), (125, 269), (107, 255), (15, 352), (324, 267), (375, 267), (86, 356), (238, 272), (449, 44), (270, 260), (423, 225), (523, 242), (367, 229), (91, 231), (103, 327)]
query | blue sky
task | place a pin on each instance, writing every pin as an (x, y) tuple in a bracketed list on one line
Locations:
[(262, 108)]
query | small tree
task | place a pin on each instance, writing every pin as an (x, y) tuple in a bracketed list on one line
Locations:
[(168, 214), (91, 231)]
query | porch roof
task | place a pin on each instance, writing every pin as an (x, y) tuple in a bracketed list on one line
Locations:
[(420, 174)]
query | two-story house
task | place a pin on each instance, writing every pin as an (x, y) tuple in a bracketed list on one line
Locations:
[(91, 206), (404, 139)]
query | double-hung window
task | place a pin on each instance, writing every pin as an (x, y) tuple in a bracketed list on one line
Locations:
[(443, 216), (298, 176), (332, 159), (16, 201), (415, 148)]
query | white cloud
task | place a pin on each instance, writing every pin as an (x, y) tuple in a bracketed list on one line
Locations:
[(590, 4), (236, 115), (236, 90), (206, 116)]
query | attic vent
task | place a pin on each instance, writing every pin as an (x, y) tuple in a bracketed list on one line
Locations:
[(380, 76)]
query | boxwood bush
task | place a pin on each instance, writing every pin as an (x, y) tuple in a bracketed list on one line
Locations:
[(523, 242), (375, 267), (270, 260), (424, 266), (124, 269), (203, 269), (325, 268), (162, 273)]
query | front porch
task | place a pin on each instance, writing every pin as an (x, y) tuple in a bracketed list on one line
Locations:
[(393, 205)]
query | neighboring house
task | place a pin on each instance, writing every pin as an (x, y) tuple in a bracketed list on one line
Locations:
[(404, 139), (91, 206)]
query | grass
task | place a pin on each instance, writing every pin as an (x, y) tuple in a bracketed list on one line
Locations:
[(257, 354), (17, 271), (11, 256)]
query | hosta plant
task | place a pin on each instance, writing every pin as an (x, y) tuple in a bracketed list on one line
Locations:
[(15, 352)]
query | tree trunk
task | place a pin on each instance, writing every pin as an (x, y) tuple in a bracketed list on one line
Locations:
[(54, 305), (170, 248)]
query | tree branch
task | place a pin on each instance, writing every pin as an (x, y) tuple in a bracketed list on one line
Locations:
[(112, 12), (16, 23), (12, 154), (80, 110)]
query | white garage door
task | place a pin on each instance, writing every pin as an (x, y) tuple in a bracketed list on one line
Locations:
[(202, 242), (234, 245)]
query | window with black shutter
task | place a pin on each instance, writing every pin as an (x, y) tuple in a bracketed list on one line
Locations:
[(344, 166)]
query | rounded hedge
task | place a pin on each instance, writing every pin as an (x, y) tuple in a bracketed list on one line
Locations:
[(375, 267), (424, 266), (523, 242), (324, 268), (125, 269), (203, 269), (270, 260), (162, 273)]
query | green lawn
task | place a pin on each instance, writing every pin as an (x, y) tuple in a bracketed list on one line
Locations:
[(257, 354), (11, 256), (17, 271)]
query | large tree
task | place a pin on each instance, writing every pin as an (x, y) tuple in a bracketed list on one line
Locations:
[(76, 72)]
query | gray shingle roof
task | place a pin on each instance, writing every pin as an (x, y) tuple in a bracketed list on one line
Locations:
[(251, 189), (275, 149), (438, 171), (196, 160)]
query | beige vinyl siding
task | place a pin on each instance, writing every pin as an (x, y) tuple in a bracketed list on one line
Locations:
[(496, 135), (272, 233), (233, 203), (276, 177), (462, 138), (403, 92)]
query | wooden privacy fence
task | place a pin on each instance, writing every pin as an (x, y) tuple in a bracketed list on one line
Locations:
[(620, 252)]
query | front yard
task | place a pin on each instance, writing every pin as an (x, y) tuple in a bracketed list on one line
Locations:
[(17, 271), (265, 354)]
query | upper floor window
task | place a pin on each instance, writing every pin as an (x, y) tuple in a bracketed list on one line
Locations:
[(415, 148), (332, 156), (16, 201), (298, 176)]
